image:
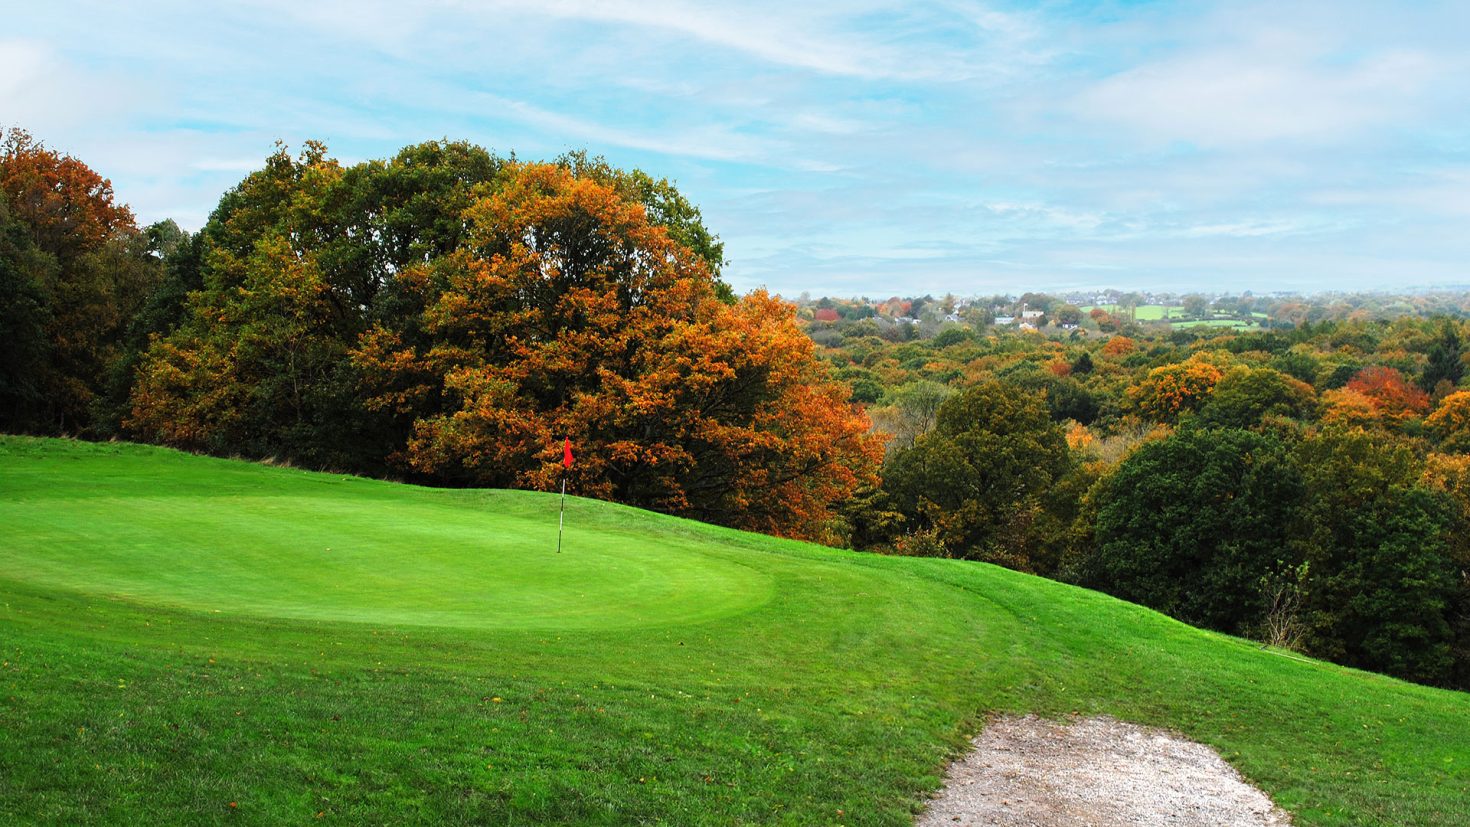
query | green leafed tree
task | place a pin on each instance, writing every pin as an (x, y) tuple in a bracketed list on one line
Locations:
[(1189, 525), (1382, 580), (1445, 360), (978, 480), (1244, 397)]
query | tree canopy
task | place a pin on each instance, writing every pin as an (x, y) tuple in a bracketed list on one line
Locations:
[(453, 316)]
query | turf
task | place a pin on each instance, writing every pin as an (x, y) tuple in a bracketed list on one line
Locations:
[(193, 640)]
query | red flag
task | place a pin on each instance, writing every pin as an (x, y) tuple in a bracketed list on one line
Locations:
[(566, 455)]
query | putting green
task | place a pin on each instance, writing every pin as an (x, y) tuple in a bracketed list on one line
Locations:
[(297, 545)]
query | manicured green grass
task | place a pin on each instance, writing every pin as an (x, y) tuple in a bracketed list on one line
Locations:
[(191, 640)]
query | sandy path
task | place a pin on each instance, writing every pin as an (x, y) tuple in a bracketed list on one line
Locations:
[(1095, 772)]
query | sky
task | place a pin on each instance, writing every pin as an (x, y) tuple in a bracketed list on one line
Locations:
[(836, 148)]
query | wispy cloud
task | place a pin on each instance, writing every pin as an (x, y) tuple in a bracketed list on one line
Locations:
[(709, 141), (950, 144), (1269, 91)]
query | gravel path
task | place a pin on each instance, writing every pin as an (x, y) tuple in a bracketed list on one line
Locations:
[(1094, 772)]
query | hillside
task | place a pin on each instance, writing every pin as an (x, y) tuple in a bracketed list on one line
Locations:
[(194, 639)]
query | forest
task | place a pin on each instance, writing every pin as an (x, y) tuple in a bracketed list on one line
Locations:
[(449, 316)]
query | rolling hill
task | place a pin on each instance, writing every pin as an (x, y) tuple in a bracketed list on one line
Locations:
[(187, 639)]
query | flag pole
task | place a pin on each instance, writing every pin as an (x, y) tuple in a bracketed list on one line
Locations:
[(562, 517), (566, 468)]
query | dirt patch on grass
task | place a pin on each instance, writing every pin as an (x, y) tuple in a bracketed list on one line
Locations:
[(1098, 772)]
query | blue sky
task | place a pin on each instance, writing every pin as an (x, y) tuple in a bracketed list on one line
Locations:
[(837, 148)]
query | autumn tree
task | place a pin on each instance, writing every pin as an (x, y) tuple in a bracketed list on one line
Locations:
[(259, 365), (1393, 396), (1450, 422), (74, 268), (1119, 346), (1170, 391), (568, 313), (1348, 408), (664, 205), (301, 261)]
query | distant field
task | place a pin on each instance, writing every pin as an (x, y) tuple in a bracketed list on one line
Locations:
[(1236, 324), (1145, 312), (1175, 313), (187, 640)]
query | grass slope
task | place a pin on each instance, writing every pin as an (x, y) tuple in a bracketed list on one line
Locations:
[(205, 641)]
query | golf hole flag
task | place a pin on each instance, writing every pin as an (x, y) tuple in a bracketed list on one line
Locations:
[(566, 465)]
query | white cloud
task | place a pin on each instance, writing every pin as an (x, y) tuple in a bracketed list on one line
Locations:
[(709, 141), (1273, 89), (42, 92), (776, 36)]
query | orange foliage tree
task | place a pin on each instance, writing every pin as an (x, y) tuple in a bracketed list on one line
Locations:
[(1350, 409), (1171, 390), (69, 207), (1395, 397), (74, 269), (569, 314), (1450, 422), (1119, 346)]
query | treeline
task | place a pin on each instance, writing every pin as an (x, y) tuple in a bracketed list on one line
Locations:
[(1309, 488), (447, 316)]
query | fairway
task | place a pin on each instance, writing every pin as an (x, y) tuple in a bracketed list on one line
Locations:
[(195, 640)]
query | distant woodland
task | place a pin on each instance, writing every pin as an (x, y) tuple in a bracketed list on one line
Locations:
[(1291, 469)]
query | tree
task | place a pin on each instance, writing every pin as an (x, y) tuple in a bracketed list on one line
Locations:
[(259, 363), (1347, 408), (1450, 422), (1190, 525), (979, 478), (911, 411), (1245, 396), (1450, 475), (1381, 579), (301, 262), (1119, 346), (1297, 365), (1393, 395), (953, 335), (247, 373), (567, 313), (77, 269), (1445, 362), (69, 209), (24, 321), (664, 206), (1196, 306), (1169, 391)]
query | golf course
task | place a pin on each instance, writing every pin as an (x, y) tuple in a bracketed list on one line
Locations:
[(195, 640)]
